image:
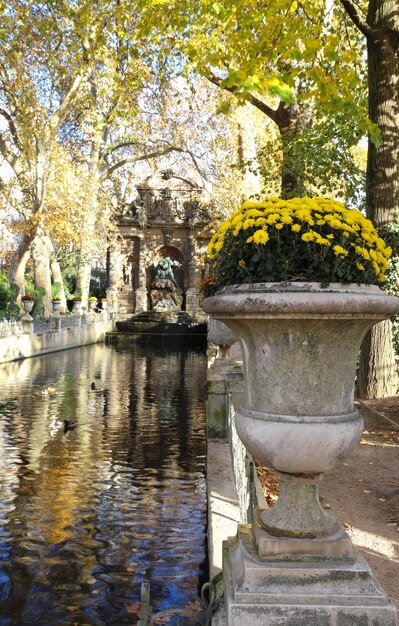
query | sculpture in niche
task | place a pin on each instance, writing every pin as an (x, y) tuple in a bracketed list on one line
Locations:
[(126, 275), (164, 269), (165, 293)]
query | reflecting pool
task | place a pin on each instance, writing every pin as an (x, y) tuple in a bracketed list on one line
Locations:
[(86, 515)]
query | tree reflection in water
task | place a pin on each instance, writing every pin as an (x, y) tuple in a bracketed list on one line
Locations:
[(86, 515)]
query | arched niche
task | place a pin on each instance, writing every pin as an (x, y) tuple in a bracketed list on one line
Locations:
[(130, 265), (176, 255)]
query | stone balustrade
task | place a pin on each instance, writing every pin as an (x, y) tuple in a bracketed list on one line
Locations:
[(31, 338)]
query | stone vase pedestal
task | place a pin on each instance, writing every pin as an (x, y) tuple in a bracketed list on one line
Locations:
[(296, 565), (27, 306)]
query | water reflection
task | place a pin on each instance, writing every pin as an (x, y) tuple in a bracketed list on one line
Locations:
[(86, 515)]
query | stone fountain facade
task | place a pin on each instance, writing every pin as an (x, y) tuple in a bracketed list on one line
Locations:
[(166, 220)]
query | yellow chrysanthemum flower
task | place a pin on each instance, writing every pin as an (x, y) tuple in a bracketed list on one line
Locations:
[(340, 251), (248, 223), (261, 237), (363, 252)]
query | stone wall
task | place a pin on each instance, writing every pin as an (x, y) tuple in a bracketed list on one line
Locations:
[(232, 486), (224, 388), (66, 332), (241, 461)]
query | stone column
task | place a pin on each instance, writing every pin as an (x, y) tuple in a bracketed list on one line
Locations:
[(113, 272), (141, 291), (191, 292)]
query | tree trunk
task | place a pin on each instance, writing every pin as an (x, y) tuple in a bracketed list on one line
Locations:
[(18, 264), (382, 199), (247, 152), (291, 122), (86, 254), (377, 374), (377, 370), (41, 269), (84, 275), (291, 178), (56, 273)]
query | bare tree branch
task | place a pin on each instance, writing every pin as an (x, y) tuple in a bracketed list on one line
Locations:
[(150, 155), (61, 113), (256, 102), (362, 25), (123, 144), (11, 126), (12, 159)]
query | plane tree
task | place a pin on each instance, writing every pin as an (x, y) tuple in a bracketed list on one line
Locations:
[(295, 62), (47, 53), (378, 22)]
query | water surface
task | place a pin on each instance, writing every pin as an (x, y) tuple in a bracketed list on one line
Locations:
[(87, 515)]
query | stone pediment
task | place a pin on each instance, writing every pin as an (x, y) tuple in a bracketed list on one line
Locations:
[(166, 198)]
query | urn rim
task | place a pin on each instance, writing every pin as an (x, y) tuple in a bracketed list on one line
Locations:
[(297, 299)]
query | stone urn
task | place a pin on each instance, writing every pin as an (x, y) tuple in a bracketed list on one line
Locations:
[(76, 306), (92, 304), (300, 345), (222, 336), (56, 304), (27, 306)]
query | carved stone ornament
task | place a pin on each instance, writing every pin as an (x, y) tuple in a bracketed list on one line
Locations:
[(165, 198)]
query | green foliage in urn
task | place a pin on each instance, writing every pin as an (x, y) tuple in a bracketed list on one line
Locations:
[(302, 239), (56, 291)]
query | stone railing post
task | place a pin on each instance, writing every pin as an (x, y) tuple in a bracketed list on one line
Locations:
[(191, 291), (141, 291), (27, 325)]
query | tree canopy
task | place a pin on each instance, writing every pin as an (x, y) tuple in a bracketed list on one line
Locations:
[(298, 63)]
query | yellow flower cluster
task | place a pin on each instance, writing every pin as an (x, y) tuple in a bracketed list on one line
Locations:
[(319, 221)]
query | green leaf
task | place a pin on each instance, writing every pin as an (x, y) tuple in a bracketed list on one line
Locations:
[(374, 134)]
